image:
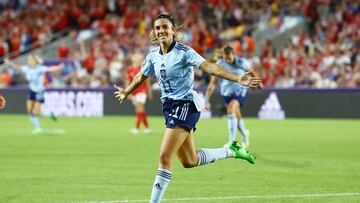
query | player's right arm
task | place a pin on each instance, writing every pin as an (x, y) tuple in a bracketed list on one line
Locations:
[(148, 90), (209, 91), (122, 93), (11, 63)]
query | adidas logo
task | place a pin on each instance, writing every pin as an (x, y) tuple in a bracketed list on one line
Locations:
[(157, 186), (162, 65), (171, 121), (271, 109)]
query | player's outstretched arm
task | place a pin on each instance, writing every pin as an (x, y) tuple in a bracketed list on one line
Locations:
[(55, 68), (148, 90), (209, 91), (11, 63), (122, 93), (246, 79)]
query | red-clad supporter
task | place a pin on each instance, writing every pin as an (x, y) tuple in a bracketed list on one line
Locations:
[(63, 51), (140, 95)]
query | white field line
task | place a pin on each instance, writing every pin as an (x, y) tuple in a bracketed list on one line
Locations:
[(237, 197)]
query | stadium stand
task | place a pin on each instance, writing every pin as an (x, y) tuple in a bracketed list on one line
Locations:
[(102, 35)]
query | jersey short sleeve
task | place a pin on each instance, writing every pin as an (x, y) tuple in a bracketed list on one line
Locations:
[(147, 67), (42, 69), (193, 58), (243, 63)]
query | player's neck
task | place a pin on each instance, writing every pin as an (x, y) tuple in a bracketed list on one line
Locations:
[(164, 46)]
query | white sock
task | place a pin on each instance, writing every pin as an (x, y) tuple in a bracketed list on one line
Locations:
[(207, 156), (161, 182), (35, 121), (243, 131), (232, 120)]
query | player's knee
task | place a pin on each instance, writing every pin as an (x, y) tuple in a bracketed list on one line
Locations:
[(165, 159), (189, 164), (231, 110)]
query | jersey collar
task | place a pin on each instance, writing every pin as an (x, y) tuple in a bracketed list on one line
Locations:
[(170, 47)]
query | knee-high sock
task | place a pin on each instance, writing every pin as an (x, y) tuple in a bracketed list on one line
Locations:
[(138, 120), (35, 121), (161, 182), (144, 119), (243, 131), (207, 156), (232, 121)]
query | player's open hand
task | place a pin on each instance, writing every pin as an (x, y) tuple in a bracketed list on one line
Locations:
[(250, 80), (120, 94)]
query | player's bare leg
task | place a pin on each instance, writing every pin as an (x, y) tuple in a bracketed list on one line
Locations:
[(173, 139), (33, 110)]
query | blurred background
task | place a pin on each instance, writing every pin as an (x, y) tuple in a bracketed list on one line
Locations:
[(301, 46), (305, 51)]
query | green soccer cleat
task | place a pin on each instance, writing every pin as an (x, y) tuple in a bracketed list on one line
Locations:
[(241, 153), (53, 117)]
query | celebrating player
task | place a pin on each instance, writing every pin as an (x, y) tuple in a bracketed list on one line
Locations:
[(234, 95), (34, 72), (172, 63)]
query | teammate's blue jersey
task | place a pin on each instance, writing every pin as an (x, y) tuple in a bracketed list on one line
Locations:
[(174, 71), (35, 77), (227, 87)]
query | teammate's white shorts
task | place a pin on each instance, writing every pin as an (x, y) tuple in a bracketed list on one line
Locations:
[(139, 98)]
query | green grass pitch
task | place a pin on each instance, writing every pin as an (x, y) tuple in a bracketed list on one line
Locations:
[(98, 160)]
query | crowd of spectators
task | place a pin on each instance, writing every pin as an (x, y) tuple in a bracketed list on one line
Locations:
[(324, 57)]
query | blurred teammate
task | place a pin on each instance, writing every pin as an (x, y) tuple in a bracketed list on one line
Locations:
[(34, 72), (2, 102), (234, 94), (172, 63), (138, 98)]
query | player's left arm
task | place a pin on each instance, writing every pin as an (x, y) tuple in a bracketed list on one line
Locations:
[(246, 79), (255, 74), (55, 68)]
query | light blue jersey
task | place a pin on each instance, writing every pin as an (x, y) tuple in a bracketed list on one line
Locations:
[(35, 77), (229, 88), (174, 71)]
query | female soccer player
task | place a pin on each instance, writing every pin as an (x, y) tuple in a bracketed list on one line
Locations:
[(172, 63), (34, 73), (234, 95)]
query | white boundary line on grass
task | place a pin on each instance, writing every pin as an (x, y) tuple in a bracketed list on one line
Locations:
[(238, 197)]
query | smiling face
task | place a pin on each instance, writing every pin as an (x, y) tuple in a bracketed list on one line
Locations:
[(164, 30)]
